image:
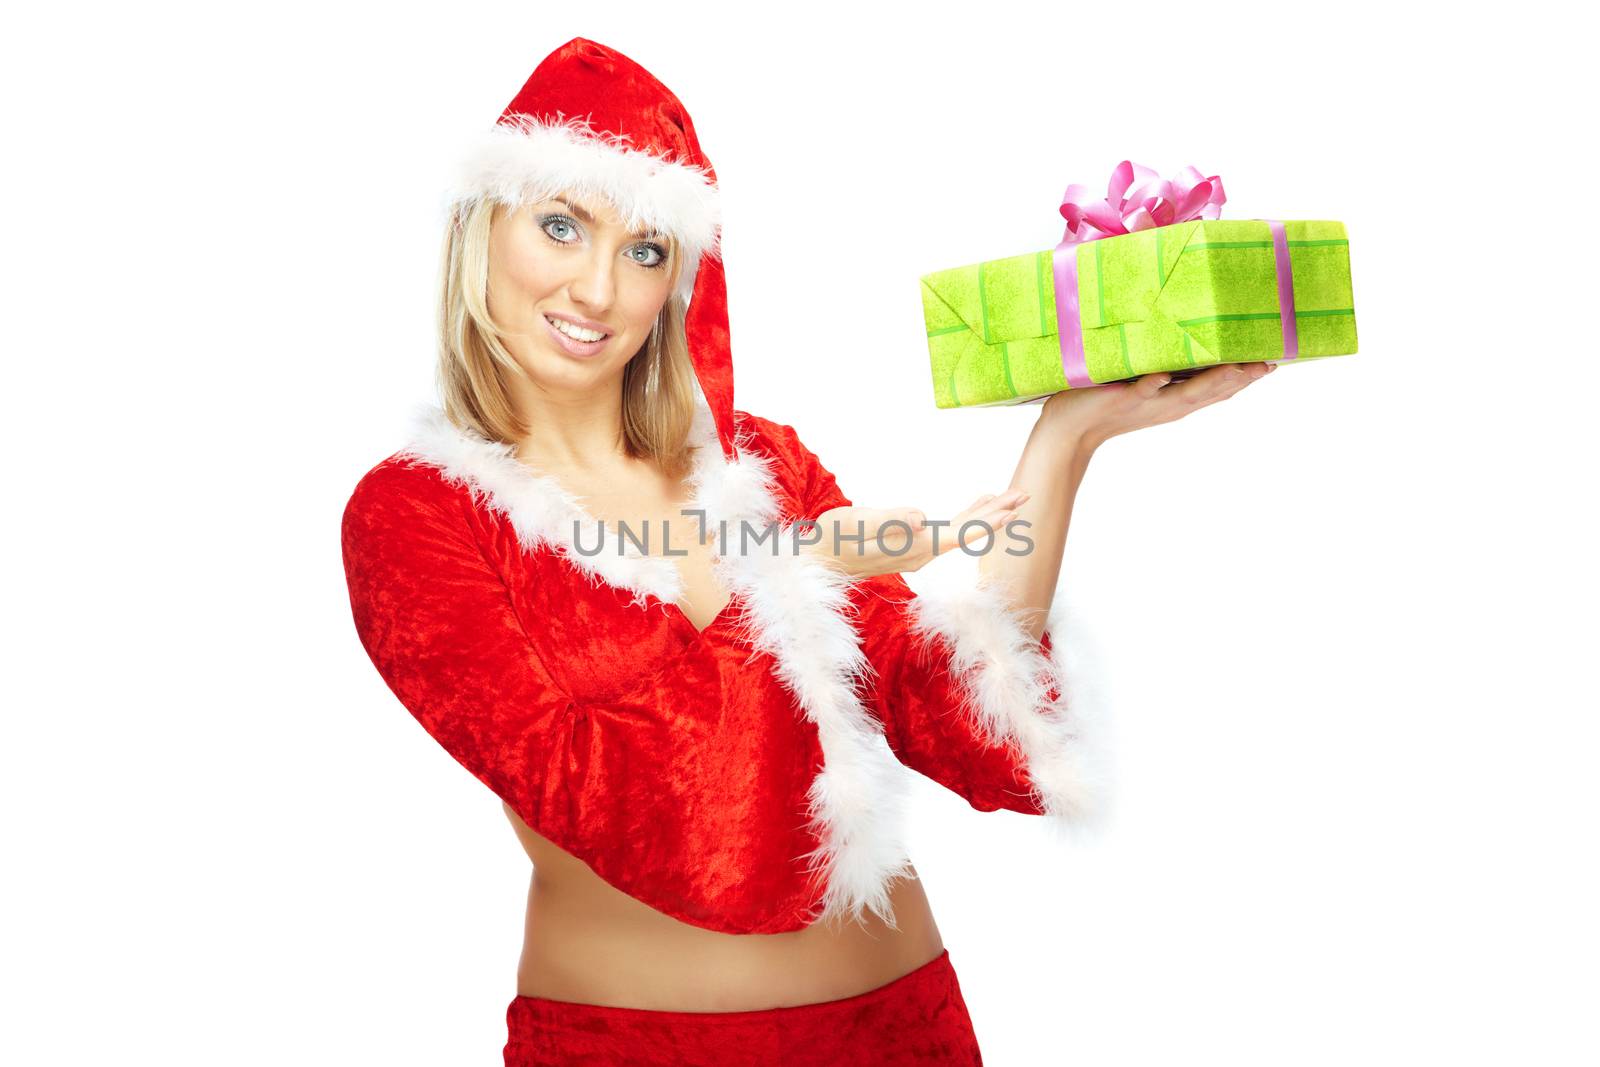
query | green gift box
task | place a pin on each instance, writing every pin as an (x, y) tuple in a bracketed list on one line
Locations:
[(1173, 298)]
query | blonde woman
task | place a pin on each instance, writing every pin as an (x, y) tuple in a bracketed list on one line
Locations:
[(614, 598)]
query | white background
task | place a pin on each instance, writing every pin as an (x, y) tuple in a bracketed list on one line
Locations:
[(1343, 624)]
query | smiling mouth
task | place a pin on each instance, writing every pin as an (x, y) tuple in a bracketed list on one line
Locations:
[(563, 327)]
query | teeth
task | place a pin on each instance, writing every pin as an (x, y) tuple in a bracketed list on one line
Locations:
[(575, 332)]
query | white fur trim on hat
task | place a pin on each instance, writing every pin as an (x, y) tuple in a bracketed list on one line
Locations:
[(524, 159)]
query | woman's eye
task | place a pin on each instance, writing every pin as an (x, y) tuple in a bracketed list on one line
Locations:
[(551, 223), (558, 227), (651, 250)]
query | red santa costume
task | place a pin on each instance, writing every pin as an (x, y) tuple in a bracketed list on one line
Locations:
[(749, 777)]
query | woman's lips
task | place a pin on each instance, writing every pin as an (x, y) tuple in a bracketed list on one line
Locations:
[(572, 344)]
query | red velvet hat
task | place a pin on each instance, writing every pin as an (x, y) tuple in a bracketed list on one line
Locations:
[(593, 122)]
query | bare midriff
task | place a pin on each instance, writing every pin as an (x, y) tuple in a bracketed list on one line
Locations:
[(587, 942)]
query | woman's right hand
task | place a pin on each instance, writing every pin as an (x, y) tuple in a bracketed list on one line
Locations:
[(863, 542)]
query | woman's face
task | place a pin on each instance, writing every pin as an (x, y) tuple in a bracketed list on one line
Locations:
[(572, 261)]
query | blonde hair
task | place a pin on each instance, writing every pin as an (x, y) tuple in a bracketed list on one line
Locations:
[(474, 365)]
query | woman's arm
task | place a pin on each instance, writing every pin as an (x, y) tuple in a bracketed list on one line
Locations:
[(1071, 426), (1050, 470), (967, 679), (436, 618)]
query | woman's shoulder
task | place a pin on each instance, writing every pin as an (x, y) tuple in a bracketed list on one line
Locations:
[(401, 478), (400, 499), (777, 439), (442, 465), (811, 485), (780, 443)]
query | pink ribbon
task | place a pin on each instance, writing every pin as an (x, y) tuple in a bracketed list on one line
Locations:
[(1280, 252), (1137, 198)]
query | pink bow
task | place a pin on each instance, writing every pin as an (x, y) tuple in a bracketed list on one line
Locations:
[(1138, 198)]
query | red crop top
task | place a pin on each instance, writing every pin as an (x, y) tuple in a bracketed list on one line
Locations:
[(748, 778)]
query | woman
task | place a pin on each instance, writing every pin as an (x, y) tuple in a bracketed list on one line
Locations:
[(698, 741)]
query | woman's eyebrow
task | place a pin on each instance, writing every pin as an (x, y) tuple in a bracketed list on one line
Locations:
[(586, 217)]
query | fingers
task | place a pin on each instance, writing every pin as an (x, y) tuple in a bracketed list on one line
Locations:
[(1216, 383), (1245, 373), (1009, 498), (1150, 384), (972, 527), (1003, 509), (975, 526)]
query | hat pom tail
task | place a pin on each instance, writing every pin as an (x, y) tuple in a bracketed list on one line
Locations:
[(710, 347)]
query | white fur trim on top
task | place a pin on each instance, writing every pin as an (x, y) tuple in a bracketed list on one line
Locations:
[(540, 510), (797, 609), (1005, 677), (524, 159), (791, 606)]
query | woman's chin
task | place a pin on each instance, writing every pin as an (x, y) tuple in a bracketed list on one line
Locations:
[(552, 369)]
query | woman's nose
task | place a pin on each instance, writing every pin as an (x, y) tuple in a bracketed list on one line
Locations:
[(595, 283)]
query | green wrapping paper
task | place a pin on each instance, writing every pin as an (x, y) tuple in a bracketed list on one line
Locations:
[(1174, 298)]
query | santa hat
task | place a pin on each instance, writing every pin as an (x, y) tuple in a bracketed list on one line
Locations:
[(593, 122)]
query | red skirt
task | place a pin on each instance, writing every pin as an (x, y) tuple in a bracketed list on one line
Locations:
[(919, 1018)]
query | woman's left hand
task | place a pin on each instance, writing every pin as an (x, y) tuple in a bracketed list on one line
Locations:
[(1098, 414)]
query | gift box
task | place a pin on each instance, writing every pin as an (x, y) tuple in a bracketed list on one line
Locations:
[(1176, 298)]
